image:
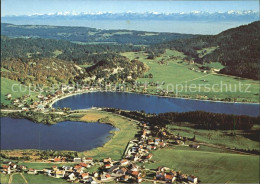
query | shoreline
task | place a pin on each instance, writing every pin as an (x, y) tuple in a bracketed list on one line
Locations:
[(106, 139), (192, 99)]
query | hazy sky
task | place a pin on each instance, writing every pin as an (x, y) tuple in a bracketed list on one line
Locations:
[(28, 7)]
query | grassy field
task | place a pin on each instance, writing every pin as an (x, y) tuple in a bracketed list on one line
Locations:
[(210, 167), (175, 71), (42, 179), (16, 89), (4, 178), (6, 87), (17, 178), (116, 146), (218, 137)]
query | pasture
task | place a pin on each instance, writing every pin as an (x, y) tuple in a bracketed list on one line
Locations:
[(182, 79)]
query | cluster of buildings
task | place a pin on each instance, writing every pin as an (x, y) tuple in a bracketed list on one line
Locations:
[(127, 169), (11, 167)]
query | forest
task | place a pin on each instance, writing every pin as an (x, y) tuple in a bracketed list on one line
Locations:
[(200, 119), (48, 48), (85, 34)]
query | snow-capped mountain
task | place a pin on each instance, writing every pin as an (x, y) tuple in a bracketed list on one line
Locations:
[(188, 16)]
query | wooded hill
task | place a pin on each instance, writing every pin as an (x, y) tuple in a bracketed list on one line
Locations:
[(238, 49), (85, 34), (48, 48)]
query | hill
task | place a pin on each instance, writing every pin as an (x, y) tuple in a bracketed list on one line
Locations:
[(88, 35), (237, 49), (65, 50)]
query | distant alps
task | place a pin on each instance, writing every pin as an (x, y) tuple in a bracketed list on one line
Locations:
[(246, 15)]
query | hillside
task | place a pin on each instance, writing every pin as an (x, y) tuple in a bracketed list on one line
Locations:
[(89, 35), (49, 48), (237, 49), (39, 71)]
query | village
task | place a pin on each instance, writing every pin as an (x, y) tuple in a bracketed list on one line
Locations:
[(41, 100), (129, 169)]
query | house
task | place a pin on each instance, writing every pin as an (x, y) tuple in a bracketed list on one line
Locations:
[(124, 178), (139, 179), (105, 177), (9, 95), (84, 175), (124, 162), (90, 180), (169, 177), (78, 168), (67, 168), (121, 171), (87, 160), (59, 173), (6, 169), (150, 142), (72, 177), (16, 101), (107, 166), (57, 159), (82, 164), (22, 167), (159, 175), (192, 179), (135, 157), (24, 109), (47, 171), (135, 173), (161, 144), (107, 160), (95, 174), (156, 141), (13, 166), (54, 168), (134, 168), (32, 171), (148, 157), (149, 147), (77, 160)]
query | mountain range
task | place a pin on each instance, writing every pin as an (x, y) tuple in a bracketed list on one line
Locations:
[(246, 15)]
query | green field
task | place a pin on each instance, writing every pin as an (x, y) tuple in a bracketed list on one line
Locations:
[(210, 167), (6, 87), (42, 179), (184, 82), (4, 178), (16, 89), (115, 147), (217, 137), (17, 178)]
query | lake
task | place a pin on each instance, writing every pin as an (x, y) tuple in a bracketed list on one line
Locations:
[(153, 104), (67, 135), (190, 27)]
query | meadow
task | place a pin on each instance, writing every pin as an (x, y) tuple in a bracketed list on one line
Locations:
[(16, 89), (192, 82), (209, 166), (115, 147)]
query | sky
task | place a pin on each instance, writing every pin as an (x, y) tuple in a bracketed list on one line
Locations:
[(29, 7)]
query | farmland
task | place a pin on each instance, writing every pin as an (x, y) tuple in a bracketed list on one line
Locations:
[(210, 166), (179, 75)]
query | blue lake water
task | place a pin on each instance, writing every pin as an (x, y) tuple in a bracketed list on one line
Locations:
[(68, 135), (153, 104)]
